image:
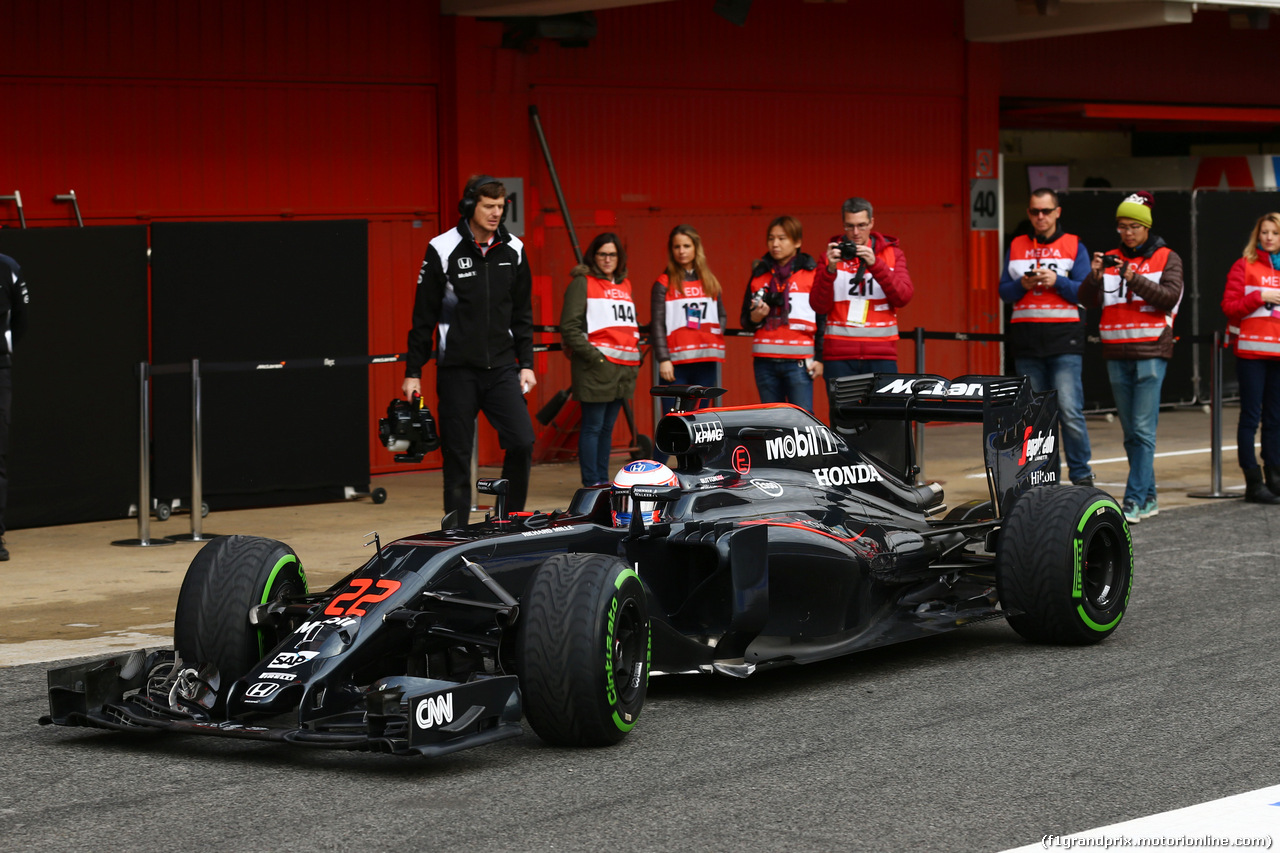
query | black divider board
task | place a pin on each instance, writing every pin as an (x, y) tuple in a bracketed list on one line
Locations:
[(262, 292), (1224, 221), (73, 450), (1091, 214)]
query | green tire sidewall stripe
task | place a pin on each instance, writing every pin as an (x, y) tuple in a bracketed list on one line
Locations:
[(266, 591), (623, 577), (1077, 584)]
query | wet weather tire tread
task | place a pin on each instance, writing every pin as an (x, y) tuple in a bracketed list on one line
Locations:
[(562, 659), (1036, 562), (225, 579)]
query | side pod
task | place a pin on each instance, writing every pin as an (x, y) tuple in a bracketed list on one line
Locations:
[(748, 549)]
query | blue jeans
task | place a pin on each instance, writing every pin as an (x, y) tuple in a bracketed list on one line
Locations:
[(595, 440), (1136, 386), (1259, 401), (784, 380), (833, 370), (1062, 374)]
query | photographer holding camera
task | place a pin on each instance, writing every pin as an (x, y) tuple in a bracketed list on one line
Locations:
[(1041, 279), (1139, 286), (775, 305), (860, 289)]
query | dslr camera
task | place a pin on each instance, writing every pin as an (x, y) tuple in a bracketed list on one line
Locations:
[(773, 300), (1109, 261), (848, 250), (408, 430)]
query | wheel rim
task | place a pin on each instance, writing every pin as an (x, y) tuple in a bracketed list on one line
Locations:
[(629, 647), (1102, 571)]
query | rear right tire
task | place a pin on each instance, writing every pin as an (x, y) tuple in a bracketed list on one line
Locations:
[(1065, 561)]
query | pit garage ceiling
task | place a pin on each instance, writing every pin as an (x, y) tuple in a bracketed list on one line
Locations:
[(985, 20)]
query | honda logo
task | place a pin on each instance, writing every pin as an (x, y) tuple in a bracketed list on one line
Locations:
[(464, 263), (261, 690)]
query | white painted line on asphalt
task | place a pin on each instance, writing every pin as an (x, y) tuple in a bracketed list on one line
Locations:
[(1113, 459), (1249, 820), (43, 651)]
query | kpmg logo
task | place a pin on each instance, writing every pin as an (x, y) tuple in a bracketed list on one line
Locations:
[(464, 263), (435, 710), (706, 432), (811, 441)]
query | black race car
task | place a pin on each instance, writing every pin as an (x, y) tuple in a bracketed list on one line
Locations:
[(782, 540)]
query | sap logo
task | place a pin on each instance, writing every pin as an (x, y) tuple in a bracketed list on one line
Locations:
[(288, 660), (261, 690), (813, 441), (1035, 449), (1043, 477), (939, 389), (707, 432), (278, 676), (435, 710), (464, 263), (846, 475), (466, 274)]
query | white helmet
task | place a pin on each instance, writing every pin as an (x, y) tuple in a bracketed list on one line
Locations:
[(642, 472)]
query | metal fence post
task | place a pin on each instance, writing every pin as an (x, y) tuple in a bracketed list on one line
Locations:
[(197, 533), (144, 464), (1215, 424), (919, 427)]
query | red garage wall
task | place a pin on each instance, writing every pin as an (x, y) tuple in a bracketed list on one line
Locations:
[(675, 115), (256, 109)]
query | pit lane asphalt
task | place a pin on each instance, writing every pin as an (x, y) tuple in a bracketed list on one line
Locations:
[(974, 740)]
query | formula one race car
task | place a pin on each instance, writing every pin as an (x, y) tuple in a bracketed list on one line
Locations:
[(776, 539)]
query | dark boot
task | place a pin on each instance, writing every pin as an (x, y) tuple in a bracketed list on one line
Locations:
[(1272, 476), (1256, 491)]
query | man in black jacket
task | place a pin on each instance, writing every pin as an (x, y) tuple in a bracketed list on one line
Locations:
[(475, 300), (13, 322)]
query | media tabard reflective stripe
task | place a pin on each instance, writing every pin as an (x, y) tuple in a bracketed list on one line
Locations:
[(1055, 314), (784, 350), (628, 355), (864, 331)]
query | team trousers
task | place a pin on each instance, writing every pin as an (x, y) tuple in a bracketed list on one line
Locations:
[(463, 393)]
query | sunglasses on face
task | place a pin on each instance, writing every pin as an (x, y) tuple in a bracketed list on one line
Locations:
[(1040, 211)]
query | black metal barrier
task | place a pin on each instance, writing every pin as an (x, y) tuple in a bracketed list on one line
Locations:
[(196, 368)]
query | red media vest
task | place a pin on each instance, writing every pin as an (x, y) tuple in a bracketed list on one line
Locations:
[(611, 320), (1260, 331), (795, 338), (861, 309), (693, 324), (1126, 317), (1043, 305)]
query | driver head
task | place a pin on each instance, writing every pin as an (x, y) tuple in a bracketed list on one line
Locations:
[(642, 472)]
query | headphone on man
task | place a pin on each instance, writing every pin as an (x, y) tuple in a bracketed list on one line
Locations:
[(471, 196)]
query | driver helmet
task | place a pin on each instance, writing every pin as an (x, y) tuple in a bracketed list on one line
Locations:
[(642, 472)]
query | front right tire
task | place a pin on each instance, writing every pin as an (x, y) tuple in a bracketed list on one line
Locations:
[(582, 650)]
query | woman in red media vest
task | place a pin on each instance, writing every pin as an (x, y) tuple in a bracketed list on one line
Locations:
[(600, 335), (1251, 302), (688, 316)]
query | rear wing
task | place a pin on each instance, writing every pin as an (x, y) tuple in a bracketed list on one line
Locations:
[(1020, 426)]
